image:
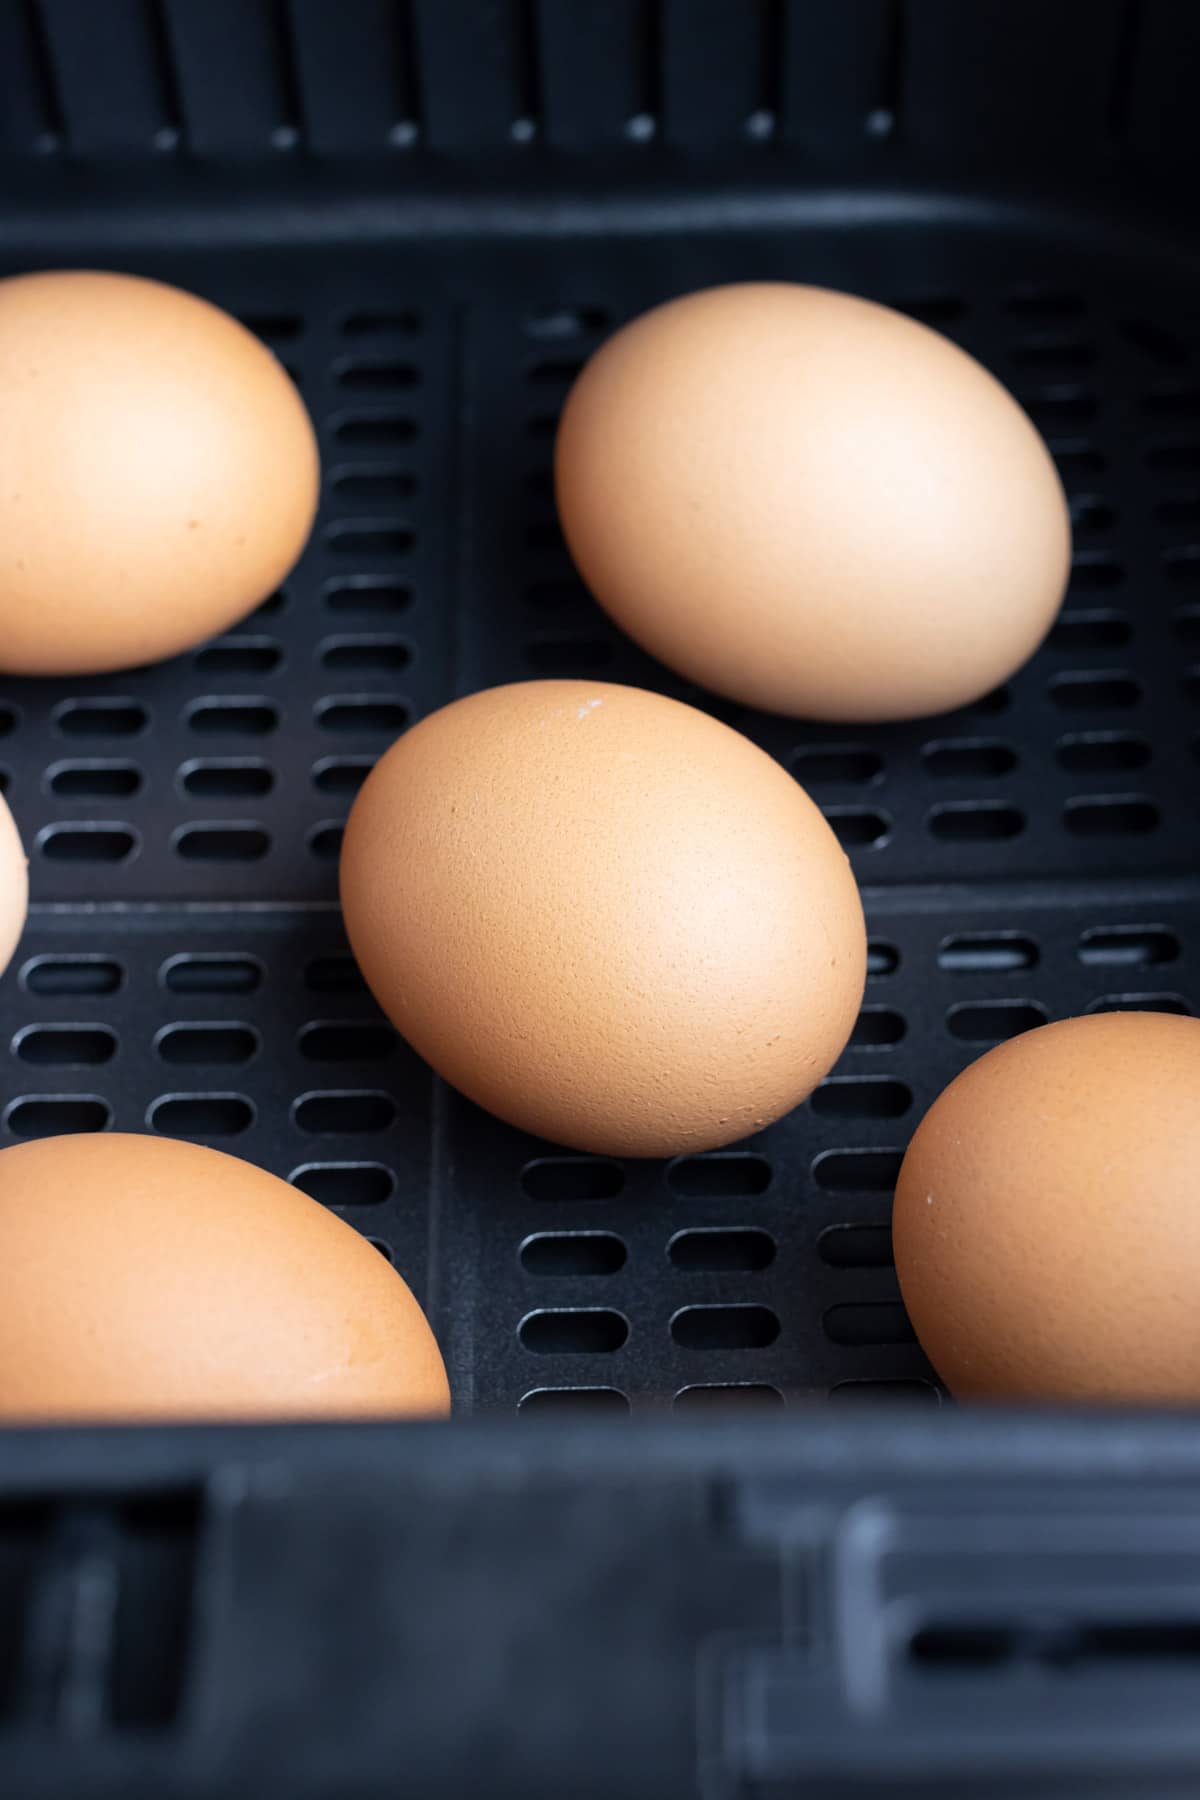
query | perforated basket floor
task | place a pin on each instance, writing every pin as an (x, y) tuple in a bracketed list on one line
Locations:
[(1032, 857)]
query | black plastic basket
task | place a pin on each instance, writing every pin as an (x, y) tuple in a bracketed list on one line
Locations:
[(433, 212)]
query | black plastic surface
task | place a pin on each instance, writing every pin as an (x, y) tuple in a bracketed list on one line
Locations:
[(1029, 858), (432, 212)]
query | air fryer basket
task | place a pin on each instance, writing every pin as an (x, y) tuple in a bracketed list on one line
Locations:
[(433, 213)]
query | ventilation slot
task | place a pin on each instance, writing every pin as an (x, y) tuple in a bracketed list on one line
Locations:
[(87, 843), (354, 1041), (334, 975), (40, 1116), (578, 1331), (341, 774), (876, 1322), (377, 375), (345, 1183), (724, 1175), (860, 1097), (572, 1178), (94, 780), (1119, 815), (857, 1171), (363, 715), (226, 778), (222, 843), (101, 718), (1095, 630), (1160, 1003), (65, 1046), (991, 1022), (344, 1110), (376, 322), (365, 655), (882, 959), (885, 1393), (375, 431), (233, 718), (240, 656), (1128, 946), (374, 485), (1087, 692), (991, 953), (856, 1246), (558, 322), (842, 765), (325, 841), (718, 1250), (877, 1028), (976, 821), (729, 1396), (369, 539), (1090, 513), (369, 595), (593, 1401), (1102, 752), (1093, 570), (201, 1115), (564, 1253), (858, 827), (725, 1327), (67, 975), (212, 973), (214, 1045), (968, 759)]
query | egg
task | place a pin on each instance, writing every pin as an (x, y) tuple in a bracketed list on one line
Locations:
[(604, 916), (158, 472), (14, 886), (147, 1279), (1046, 1230), (812, 504)]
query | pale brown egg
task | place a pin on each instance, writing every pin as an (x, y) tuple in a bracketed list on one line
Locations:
[(604, 916), (1046, 1229), (14, 886), (811, 503), (158, 472), (150, 1279)]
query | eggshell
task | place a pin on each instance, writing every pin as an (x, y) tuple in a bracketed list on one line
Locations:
[(1046, 1228), (158, 472), (811, 503), (14, 886), (604, 916), (150, 1279)]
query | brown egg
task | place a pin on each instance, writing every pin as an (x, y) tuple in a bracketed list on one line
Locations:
[(158, 472), (1046, 1228), (14, 886), (604, 916), (811, 503), (150, 1279)]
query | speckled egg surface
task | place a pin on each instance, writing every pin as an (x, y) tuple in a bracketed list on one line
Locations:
[(811, 503), (604, 916), (1046, 1227), (158, 472), (149, 1279)]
